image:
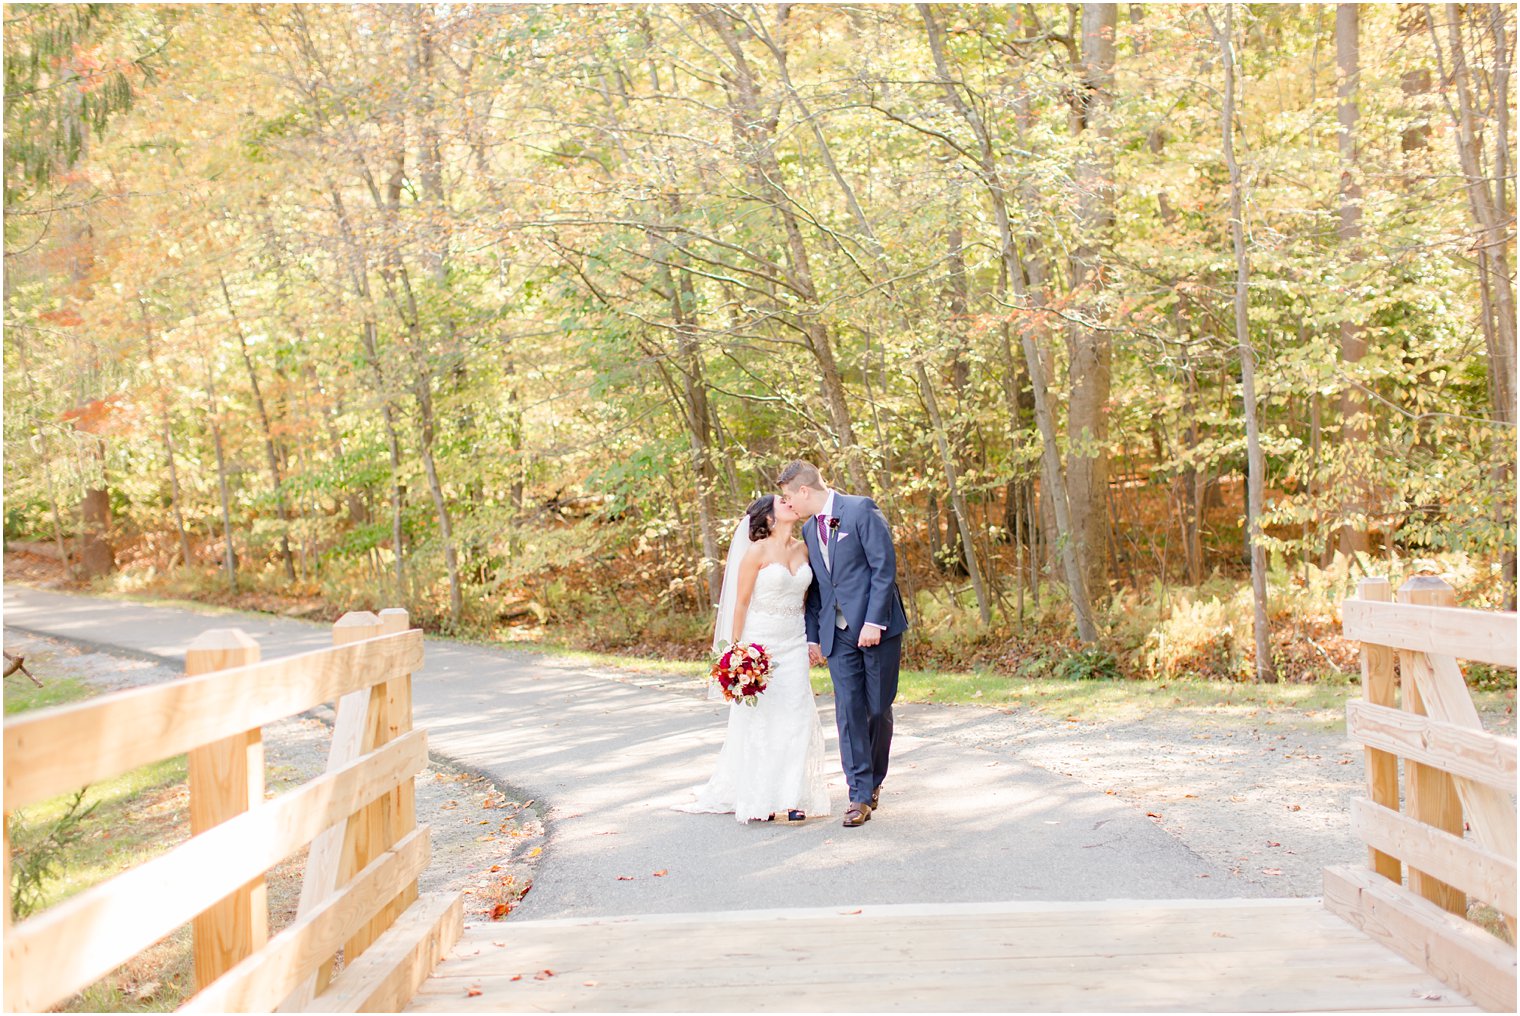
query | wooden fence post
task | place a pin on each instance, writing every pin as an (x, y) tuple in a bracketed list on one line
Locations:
[(1379, 687), (226, 779), (394, 621), (1431, 795)]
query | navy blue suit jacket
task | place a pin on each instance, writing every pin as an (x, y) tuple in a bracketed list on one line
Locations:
[(863, 579)]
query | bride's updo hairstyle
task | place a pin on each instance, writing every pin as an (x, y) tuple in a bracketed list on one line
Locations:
[(762, 517)]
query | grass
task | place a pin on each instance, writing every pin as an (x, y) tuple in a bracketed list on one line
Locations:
[(22, 695), (137, 816)]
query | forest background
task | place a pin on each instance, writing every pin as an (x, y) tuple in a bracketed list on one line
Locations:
[(1151, 327)]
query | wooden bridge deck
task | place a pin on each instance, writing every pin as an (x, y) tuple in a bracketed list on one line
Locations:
[(1173, 955)]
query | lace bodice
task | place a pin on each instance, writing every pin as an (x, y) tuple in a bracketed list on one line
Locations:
[(779, 593)]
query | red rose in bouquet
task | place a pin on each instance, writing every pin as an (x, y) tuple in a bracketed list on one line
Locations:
[(742, 671)]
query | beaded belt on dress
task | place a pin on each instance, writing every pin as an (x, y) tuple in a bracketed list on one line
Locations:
[(779, 611)]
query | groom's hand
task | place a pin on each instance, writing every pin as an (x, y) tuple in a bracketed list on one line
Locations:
[(870, 635), (815, 655)]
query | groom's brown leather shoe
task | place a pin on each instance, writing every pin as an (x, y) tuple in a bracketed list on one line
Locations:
[(858, 815)]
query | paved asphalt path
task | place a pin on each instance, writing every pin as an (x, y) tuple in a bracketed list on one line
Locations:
[(605, 759)]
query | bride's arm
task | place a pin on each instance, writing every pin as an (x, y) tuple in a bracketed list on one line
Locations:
[(748, 569)]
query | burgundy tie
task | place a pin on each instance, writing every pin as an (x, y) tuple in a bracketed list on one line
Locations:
[(823, 531)]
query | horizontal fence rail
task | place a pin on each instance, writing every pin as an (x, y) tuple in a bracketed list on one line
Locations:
[(1439, 816), (359, 894)]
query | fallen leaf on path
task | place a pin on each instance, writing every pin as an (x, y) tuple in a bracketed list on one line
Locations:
[(1153, 814), (515, 977), (847, 913), (1273, 843), (535, 851), (1295, 807), (495, 867), (500, 910), (543, 975), (472, 991), (625, 878), (588, 984), (1271, 871), (1221, 934), (500, 945), (661, 873)]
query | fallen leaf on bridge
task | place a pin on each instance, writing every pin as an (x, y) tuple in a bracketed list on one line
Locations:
[(543, 975), (515, 977), (847, 913), (472, 991)]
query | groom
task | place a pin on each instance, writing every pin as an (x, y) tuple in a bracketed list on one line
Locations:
[(855, 620)]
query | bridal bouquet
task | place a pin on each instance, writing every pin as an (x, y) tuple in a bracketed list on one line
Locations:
[(742, 672)]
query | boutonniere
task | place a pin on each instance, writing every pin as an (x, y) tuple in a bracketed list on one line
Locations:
[(833, 524)]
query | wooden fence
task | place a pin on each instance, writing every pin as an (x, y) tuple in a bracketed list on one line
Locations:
[(359, 894), (1456, 779)]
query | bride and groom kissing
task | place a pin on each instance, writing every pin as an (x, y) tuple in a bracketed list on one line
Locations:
[(830, 596)]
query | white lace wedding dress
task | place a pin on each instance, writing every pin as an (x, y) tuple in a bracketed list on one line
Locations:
[(772, 757)]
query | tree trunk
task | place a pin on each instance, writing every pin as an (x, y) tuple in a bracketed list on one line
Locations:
[(229, 559), (34, 398), (1255, 461), (755, 133), (369, 342), (693, 388), (1488, 201), (1091, 350), (1055, 486), (957, 500), (1354, 419), (271, 456), (166, 436)]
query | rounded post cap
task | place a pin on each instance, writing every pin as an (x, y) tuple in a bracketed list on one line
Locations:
[(357, 619), (223, 639)]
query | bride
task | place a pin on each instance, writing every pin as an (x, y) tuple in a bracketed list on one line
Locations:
[(772, 759)]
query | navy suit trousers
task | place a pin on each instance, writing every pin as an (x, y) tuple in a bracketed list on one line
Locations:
[(865, 685)]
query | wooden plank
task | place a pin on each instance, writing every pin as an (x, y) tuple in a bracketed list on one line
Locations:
[(262, 982), (226, 779), (401, 814), (320, 879), (1491, 812), (1464, 956), (132, 728), (1475, 755), (1484, 635), (380, 823), (388, 974), (53, 955), (1380, 688), (1472, 868), (1430, 796), (758, 968)]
